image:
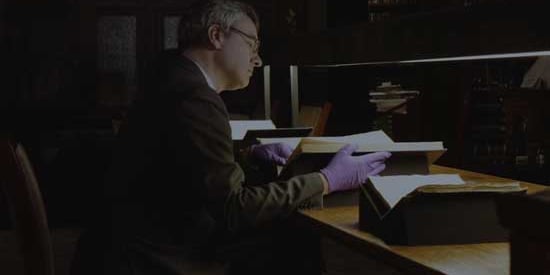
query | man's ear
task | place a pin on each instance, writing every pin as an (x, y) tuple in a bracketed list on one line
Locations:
[(216, 36)]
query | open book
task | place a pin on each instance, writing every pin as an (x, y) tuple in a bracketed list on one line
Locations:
[(298, 143), (432, 209), (369, 137), (313, 153), (388, 191), (433, 150)]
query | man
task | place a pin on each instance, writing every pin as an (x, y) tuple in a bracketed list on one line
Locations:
[(177, 202)]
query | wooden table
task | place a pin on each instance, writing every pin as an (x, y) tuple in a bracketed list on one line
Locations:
[(341, 223)]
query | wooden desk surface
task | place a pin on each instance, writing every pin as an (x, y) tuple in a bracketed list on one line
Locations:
[(486, 258)]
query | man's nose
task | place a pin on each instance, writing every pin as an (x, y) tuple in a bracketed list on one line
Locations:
[(257, 60)]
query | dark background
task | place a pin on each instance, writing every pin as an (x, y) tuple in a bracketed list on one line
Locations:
[(71, 68)]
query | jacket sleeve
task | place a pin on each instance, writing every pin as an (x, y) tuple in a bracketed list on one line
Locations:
[(204, 124)]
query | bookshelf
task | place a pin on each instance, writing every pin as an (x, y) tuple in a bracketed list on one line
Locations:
[(506, 133), (379, 10)]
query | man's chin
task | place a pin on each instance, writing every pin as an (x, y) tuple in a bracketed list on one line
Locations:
[(239, 86), (245, 84)]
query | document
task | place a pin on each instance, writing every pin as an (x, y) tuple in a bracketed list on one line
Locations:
[(393, 188)]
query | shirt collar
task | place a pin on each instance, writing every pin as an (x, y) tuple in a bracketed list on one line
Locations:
[(208, 80)]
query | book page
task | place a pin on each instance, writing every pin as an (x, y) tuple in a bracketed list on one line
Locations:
[(363, 138), (377, 137), (240, 127), (478, 187), (292, 141), (393, 188)]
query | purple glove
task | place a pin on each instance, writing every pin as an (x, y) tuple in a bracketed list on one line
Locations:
[(277, 153), (346, 172)]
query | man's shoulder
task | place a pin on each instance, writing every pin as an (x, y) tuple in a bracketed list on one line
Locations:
[(172, 68), (177, 79)]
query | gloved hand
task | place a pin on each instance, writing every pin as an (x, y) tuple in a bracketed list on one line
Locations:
[(277, 153), (346, 172)]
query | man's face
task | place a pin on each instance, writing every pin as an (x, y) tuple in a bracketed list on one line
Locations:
[(240, 53)]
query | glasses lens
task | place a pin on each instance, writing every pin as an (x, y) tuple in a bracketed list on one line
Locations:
[(252, 41)]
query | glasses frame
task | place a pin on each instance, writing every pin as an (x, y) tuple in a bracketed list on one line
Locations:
[(255, 46)]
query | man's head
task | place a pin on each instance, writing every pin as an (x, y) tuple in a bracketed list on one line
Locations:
[(226, 35)]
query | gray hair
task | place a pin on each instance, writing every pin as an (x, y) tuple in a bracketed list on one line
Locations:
[(193, 27)]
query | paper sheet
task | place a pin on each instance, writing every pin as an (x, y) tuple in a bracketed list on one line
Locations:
[(377, 137), (239, 127), (292, 141), (393, 188), (363, 138)]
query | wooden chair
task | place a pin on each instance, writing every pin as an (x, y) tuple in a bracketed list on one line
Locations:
[(316, 117), (18, 182)]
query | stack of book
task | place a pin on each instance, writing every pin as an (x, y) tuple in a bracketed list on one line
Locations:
[(391, 98)]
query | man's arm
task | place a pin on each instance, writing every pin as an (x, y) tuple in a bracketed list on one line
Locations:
[(204, 124)]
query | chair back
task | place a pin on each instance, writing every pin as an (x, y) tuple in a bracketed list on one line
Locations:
[(18, 182), (316, 117)]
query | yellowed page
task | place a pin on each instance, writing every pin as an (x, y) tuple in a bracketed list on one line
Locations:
[(393, 188)]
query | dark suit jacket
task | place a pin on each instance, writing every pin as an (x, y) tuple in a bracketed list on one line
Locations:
[(174, 180)]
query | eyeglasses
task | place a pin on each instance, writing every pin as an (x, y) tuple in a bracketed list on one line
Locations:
[(254, 46)]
